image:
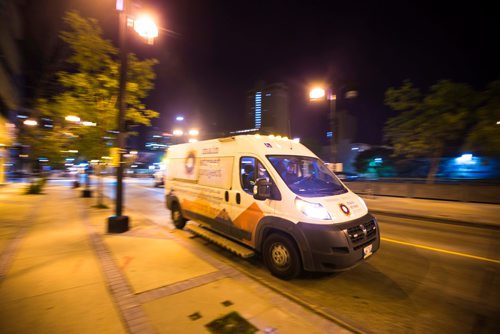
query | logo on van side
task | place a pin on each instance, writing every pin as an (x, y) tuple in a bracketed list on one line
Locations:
[(345, 209), (210, 150), (189, 163)]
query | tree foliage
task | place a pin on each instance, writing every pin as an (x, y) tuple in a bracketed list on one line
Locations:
[(484, 136), (429, 124), (90, 91)]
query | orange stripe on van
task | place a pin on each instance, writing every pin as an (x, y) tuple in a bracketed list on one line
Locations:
[(248, 220)]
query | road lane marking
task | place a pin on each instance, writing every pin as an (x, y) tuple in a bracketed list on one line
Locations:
[(441, 250)]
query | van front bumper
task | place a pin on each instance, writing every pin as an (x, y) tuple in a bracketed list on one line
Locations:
[(338, 247)]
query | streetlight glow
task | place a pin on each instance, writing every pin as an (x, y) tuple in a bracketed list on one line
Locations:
[(146, 27), (179, 118), (194, 132), (72, 118), (317, 93), (30, 122)]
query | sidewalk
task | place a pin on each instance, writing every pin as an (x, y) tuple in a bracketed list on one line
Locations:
[(61, 273), (479, 214)]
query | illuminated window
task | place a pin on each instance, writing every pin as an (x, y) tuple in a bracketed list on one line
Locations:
[(258, 110)]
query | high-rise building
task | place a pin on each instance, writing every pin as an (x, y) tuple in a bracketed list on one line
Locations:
[(10, 74), (158, 140), (267, 109)]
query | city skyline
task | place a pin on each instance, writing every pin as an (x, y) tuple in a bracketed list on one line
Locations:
[(219, 50)]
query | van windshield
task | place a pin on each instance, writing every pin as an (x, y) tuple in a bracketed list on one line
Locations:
[(307, 176)]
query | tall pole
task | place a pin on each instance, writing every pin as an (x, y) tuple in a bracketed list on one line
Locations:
[(120, 223), (332, 109)]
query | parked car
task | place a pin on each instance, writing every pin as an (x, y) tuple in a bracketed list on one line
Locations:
[(347, 176), (159, 178)]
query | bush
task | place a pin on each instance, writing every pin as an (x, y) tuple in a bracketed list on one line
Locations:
[(35, 187)]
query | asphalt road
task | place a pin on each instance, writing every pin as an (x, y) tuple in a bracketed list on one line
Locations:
[(426, 278)]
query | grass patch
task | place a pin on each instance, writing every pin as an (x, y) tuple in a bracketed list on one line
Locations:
[(231, 323)]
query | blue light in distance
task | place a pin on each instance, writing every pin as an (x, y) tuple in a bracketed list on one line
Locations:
[(465, 159)]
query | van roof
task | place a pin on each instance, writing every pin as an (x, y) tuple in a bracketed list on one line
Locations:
[(256, 144)]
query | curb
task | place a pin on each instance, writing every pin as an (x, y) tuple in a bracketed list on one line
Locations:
[(312, 308)]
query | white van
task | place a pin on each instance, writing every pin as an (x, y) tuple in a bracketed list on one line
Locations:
[(275, 197)]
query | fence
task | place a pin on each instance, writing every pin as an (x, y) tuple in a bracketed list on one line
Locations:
[(448, 192)]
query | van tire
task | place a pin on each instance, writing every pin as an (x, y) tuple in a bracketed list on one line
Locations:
[(176, 214), (281, 256)]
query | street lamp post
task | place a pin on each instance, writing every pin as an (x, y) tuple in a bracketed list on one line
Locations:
[(319, 94), (120, 223), (332, 108)]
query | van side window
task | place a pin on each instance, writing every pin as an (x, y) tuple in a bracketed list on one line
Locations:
[(251, 169), (247, 172)]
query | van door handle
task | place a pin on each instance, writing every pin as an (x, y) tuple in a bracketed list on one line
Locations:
[(226, 196), (238, 198)]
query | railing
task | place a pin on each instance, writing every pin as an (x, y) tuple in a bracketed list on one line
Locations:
[(453, 191)]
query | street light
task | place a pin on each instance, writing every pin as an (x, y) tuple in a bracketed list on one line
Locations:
[(146, 28), (319, 94), (120, 223), (72, 118), (30, 122)]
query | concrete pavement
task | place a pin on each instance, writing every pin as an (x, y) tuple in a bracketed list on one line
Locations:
[(61, 273)]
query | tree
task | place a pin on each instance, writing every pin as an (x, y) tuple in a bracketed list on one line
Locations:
[(429, 124), (89, 90), (484, 136)]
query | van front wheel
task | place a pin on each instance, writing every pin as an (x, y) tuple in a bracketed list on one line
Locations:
[(281, 256), (177, 219)]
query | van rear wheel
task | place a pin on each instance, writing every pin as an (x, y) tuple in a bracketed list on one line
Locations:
[(177, 219), (281, 256)]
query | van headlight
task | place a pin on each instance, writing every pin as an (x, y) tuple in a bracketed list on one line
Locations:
[(312, 210)]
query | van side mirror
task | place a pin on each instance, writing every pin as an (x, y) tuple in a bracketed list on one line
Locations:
[(262, 189)]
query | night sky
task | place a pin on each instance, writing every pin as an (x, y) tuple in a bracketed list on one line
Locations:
[(222, 48)]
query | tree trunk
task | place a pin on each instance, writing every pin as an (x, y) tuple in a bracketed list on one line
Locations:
[(99, 186), (435, 159)]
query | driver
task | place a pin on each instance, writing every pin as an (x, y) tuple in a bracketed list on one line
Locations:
[(289, 174)]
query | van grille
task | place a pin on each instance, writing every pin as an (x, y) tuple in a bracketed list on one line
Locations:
[(362, 232)]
